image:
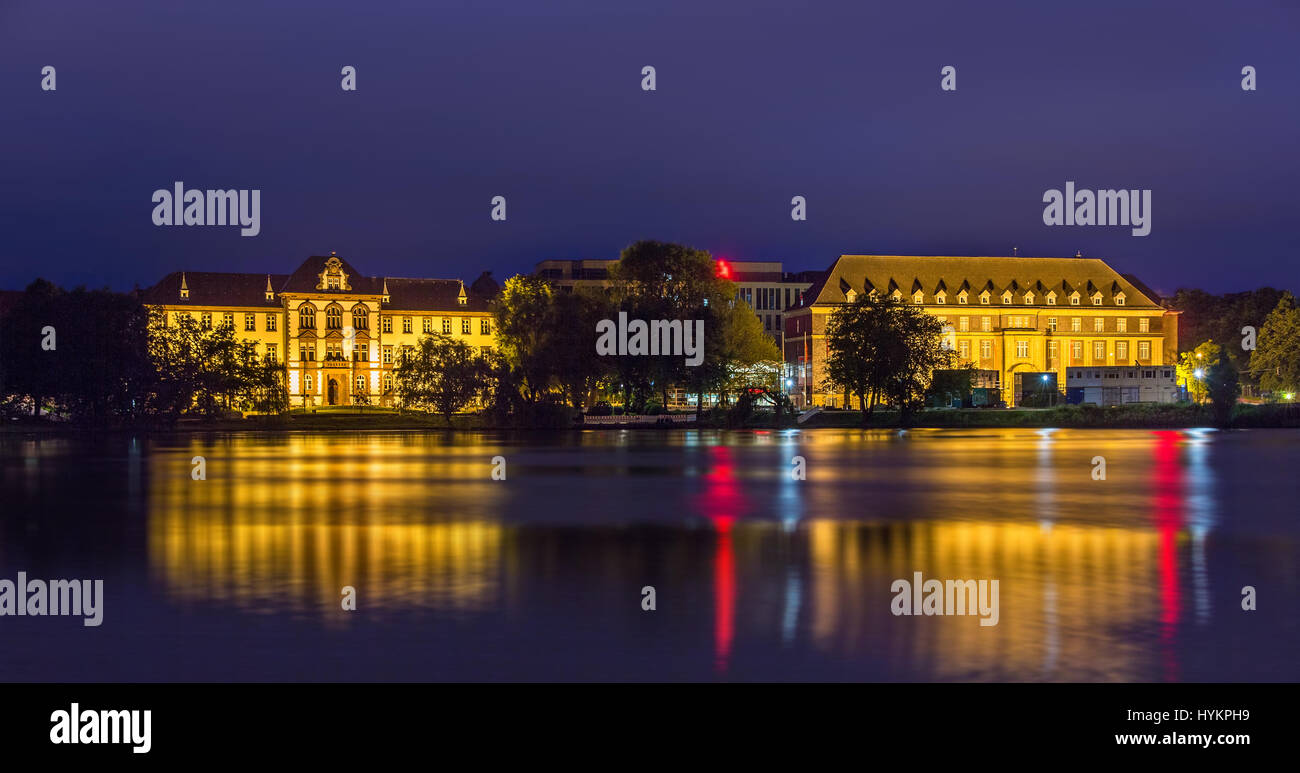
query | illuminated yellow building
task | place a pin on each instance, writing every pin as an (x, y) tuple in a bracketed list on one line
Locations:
[(1002, 314), (340, 332)]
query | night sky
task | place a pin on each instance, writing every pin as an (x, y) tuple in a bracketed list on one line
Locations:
[(541, 102)]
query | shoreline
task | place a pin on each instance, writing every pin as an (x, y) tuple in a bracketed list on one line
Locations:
[(1154, 417)]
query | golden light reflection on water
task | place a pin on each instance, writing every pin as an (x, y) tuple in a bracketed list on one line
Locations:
[(1089, 571), (284, 528)]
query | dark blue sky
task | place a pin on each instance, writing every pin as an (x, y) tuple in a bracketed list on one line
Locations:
[(756, 102)]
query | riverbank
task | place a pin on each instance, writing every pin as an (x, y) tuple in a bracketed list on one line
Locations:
[(1284, 415)]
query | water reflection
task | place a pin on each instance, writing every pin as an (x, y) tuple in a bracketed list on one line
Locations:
[(759, 575)]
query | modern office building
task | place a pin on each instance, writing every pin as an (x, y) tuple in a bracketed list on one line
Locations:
[(1009, 314), (341, 333)]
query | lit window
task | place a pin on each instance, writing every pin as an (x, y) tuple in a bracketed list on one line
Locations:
[(1074, 299), (205, 320), (986, 349), (963, 324), (1022, 349), (446, 325), (388, 355), (1096, 299), (1121, 325), (386, 325), (1098, 325), (1144, 325), (272, 354), (485, 326), (1051, 324), (1076, 351), (228, 320), (333, 318), (986, 324), (428, 324), (250, 322), (1076, 324), (388, 382), (1051, 300), (361, 318), (464, 325), (1144, 350), (1098, 351), (963, 348), (270, 323), (1121, 350), (306, 383), (406, 324), (361, 383)]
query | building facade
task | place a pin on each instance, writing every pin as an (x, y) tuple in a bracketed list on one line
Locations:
[(1005, 314), (339, 332)]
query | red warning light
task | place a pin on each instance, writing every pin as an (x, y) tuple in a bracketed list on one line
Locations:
[(724, 270)]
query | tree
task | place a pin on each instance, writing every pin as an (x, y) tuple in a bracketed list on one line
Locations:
[(1221, 383), (1192, 367), (570, 342), (522, 312), (1276, 360), (442, 374), (881, 348)]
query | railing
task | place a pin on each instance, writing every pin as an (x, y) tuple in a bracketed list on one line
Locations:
[(666, 418)]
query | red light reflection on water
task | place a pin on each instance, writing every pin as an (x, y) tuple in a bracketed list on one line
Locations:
[(1169, 490), (721, 502)]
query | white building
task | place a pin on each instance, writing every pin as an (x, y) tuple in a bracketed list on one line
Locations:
[(1119, 384)]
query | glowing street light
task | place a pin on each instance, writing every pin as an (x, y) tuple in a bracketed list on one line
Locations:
[(1199, 373)]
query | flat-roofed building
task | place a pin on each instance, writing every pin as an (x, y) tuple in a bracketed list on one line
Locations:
[(1009, 314), (1121, 384)]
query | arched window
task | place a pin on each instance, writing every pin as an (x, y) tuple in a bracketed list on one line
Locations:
[(388, 382), (333, 318), (307, 316), (360, 318), (361, 382)]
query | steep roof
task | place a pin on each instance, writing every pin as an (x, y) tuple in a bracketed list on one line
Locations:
[(213, 288), (305, 278), (431, 295), (998, 272)]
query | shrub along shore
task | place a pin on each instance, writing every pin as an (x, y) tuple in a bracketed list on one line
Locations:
[(1180, 416)]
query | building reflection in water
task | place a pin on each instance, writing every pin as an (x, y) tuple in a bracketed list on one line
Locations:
[(1088, 570), (285, 528)]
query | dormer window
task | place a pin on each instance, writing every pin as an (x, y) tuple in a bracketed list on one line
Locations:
[(961, 299), (1006, 297), (185, 288), (1074, 299), (984, 298), (1029, 299), (1051, 299), (1096, 299), (1119, 299), (851, 296), (918, 297), (941, 299)]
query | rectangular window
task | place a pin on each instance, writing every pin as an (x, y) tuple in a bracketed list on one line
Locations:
[(1022, 349), (446, 325), (1074, 300), (309, 352), (361, 353), (1144, 325), (963, 324), (986, 349), (1076, 324), (270, 323), (1121, 350), (250, 322), (986, 324), (1144, 350), (1098, 351), (1076, 351), (963, 348), (228, 320), (205, 320), (272, 353), (1121, 325), (787, 299), (1051, 300), (387, 325), (1098, 325), (1051, 324), (388, 355), (428, 324), (464, 325), (485, 326), (1051, 352), (406, 324), (984, 299)]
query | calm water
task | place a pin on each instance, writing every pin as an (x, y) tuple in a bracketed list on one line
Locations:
[(757, 576)]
